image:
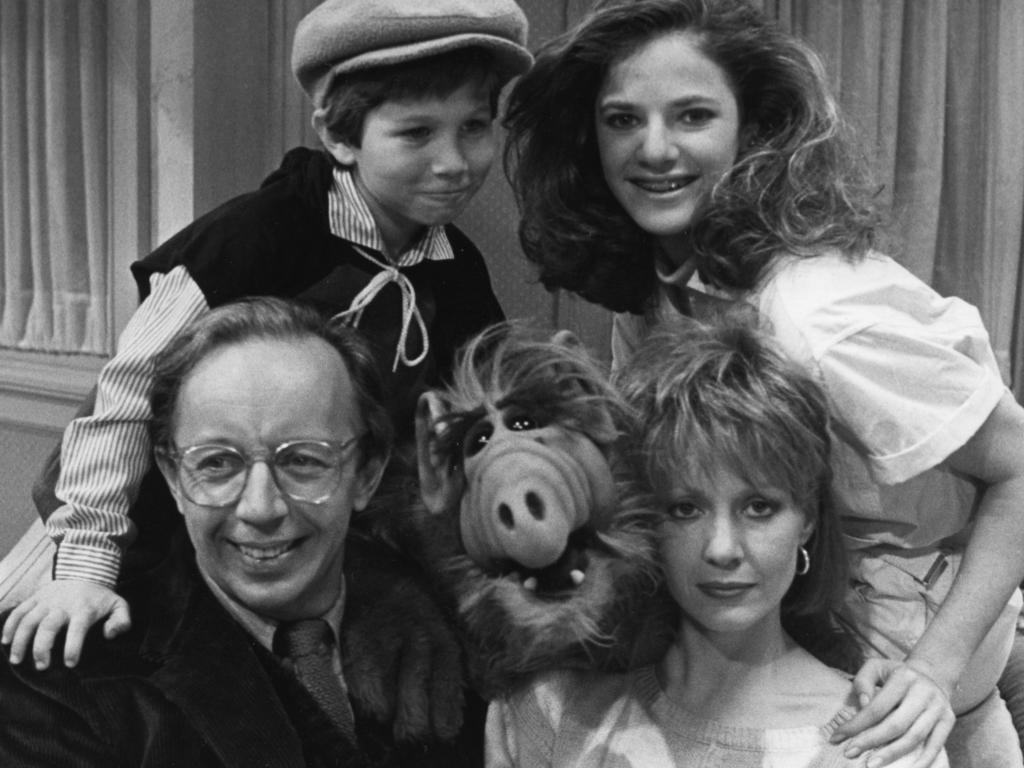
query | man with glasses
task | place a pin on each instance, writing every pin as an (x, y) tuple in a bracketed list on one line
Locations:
[(270, 432)]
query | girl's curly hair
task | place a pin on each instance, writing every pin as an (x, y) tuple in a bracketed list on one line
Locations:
[(796, 185)]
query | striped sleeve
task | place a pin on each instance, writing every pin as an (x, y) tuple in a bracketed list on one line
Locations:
[(105, 456)]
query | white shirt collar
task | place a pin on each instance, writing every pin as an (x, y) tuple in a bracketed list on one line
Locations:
[(350, 219), (261, 627)]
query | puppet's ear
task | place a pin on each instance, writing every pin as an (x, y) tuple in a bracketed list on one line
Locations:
[(440, 481)]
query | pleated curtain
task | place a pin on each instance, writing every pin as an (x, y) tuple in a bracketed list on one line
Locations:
[(54, 207)]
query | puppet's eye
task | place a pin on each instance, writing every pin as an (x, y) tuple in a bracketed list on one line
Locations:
[(476, 438), (520, 422)]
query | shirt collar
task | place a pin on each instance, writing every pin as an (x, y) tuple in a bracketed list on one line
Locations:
[(263, 628), (350, 219)]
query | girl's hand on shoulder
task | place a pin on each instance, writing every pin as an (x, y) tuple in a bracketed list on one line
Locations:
[(70, 603), (903, 708)]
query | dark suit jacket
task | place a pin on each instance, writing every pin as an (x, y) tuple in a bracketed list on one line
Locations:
[(187, 687)]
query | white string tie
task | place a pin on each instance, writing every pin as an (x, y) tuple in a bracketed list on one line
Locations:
[(389, 274)]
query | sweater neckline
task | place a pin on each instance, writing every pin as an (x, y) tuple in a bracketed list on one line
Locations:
[(675, 718)]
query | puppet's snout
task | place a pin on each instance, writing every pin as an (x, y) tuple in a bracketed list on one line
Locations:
[(526, 496), (530, 523)]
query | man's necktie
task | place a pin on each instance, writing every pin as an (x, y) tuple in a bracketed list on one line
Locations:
[(308, 644)]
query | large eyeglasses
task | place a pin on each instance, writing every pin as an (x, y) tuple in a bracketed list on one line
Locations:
[(304, 470)]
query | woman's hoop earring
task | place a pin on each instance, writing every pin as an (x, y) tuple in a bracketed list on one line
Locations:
[(802, 568)]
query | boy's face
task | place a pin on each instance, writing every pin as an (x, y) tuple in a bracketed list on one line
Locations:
[(421, 160)]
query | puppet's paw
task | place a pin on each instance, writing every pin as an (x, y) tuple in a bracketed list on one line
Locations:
[(402, 660)]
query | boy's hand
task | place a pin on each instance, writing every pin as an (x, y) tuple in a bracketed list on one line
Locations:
[(902, 708), (69, 603)]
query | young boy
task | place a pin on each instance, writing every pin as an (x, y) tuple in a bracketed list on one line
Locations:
[(404, 95)]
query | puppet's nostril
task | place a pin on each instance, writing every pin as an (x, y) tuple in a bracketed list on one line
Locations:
[(535, 505), (505, 516)]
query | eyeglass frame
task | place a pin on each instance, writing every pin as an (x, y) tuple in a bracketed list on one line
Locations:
[(343, 447)]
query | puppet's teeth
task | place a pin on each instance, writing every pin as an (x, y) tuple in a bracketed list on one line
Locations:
[(530, 583), (577, 576)]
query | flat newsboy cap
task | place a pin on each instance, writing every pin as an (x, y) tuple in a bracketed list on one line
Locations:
[(341, 36)]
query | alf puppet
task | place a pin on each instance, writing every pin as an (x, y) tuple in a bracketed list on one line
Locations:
[(525, 515)]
